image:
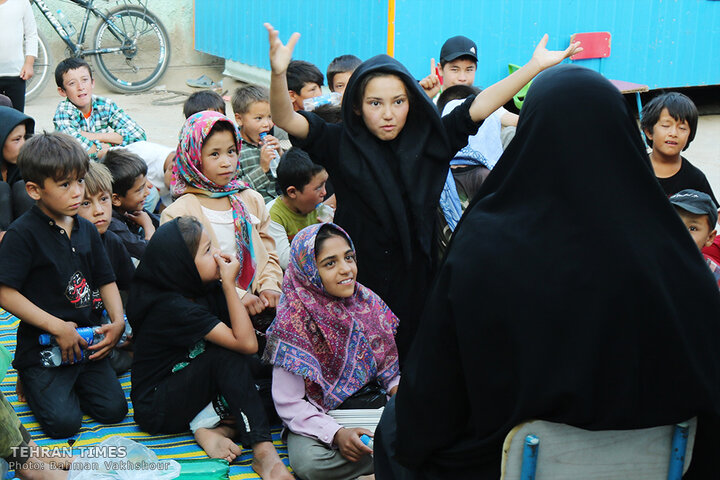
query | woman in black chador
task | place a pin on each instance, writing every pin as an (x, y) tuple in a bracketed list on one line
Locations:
[(571, 293)]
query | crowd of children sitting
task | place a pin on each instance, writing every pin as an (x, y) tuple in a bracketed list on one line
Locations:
[(241, 263)]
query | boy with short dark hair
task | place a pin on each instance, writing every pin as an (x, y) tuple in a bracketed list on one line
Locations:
[(669, 122), (54, 275), (304, 81), (251, 106), (130, 221), (340, 70), (302, 186), (458, 65), (203, 100), (97, 122), (699, 214)]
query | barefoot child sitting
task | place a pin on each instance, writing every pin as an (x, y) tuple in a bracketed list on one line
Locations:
[(193, 341)]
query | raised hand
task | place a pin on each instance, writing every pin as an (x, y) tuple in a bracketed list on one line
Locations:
[(545, 58), (280, 55), (431, 84), (229, 267)]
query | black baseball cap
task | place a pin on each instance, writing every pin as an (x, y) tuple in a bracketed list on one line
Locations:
[(456, 47), (698, 203)]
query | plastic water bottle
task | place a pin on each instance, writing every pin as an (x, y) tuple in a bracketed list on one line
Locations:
[(66, 24), (52, 357), (87, 333), (105, 319), (367, 440), (334, 98), (325, 213), (275, 160), (91, 335)]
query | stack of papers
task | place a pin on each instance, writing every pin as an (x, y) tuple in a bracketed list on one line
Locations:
[(358, 418)]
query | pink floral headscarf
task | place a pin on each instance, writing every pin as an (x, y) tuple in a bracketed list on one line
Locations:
[(187, 177)]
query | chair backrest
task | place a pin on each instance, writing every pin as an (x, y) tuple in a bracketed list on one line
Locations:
[(570, 453), (594, 44), (519, 97)]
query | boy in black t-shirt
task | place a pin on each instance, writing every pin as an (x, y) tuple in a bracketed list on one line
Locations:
[(670, 122), (54, 273)]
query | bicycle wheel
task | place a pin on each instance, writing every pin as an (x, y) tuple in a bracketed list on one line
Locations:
[(144, 49), (42, 71)]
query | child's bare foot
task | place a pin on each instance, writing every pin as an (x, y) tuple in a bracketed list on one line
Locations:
[(217, 442), (266, 463)]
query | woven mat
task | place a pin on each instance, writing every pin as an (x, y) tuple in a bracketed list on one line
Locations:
[(164, 446)]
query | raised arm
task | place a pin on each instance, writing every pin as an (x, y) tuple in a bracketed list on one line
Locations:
[(498, 94), (281, 109), (240, 336)]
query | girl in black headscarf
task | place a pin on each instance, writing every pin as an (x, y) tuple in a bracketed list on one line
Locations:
[(192, 337), (388, 161), (15, 127), (570, 293)]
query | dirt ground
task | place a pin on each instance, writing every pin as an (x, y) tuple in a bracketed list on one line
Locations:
[(159, 112)]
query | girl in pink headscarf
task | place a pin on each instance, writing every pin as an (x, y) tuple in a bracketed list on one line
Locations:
[(205, 178), (332, 345)]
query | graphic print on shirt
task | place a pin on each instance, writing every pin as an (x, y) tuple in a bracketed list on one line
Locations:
[(78, 291), (97, 303)]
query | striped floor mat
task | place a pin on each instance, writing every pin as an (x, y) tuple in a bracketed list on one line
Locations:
[(164, 446)]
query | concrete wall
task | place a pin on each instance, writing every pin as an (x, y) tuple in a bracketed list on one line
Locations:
[(176, 16)]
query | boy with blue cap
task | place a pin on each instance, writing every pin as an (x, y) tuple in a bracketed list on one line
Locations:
[(699, 214)]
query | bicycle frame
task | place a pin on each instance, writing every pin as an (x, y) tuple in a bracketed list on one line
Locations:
[(77, 48)]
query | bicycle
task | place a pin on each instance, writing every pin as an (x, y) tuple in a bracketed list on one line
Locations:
[(130, 45)]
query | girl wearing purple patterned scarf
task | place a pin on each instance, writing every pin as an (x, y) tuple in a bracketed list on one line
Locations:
[(332, 345)]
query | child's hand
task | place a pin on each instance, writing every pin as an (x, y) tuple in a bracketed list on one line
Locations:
[(69, 341), (431, 84), (280, 55), (27, 71), (545, 58), (268, 150), (349, 443), (229, 267), (113, 332), (270, 298), (253, 304), (142, 218)]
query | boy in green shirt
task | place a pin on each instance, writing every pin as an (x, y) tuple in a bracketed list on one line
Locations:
[(302, 186)]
